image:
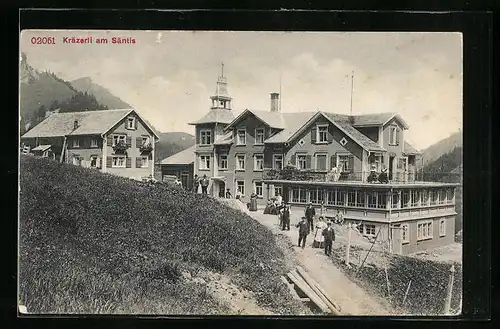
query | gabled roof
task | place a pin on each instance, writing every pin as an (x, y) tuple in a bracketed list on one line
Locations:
[(216, 116), (89, 123), (183, 157), (410, 150), (377, 119), (272, 119), (293, 122)]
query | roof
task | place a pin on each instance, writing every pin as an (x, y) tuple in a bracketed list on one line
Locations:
[(183, 157), (42, 148), (293, 122), (358, 137), (225, 140), (89, 123), (377, 119), (272, 119), (216, 116), (409, 149)]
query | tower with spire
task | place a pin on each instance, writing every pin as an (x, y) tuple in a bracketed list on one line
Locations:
[(221, 98)]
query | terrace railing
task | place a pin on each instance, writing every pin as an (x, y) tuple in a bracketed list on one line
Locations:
[(291, 173)]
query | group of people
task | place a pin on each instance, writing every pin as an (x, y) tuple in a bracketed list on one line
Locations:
[(324, 234), (381, 178), (203, 182)]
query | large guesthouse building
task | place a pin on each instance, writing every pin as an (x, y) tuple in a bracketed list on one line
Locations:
[(246, 154)]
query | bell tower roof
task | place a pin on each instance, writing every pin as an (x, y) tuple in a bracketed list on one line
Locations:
[(221, 98)]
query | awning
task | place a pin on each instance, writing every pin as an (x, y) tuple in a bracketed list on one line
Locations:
[(42, 148), (218, 179)]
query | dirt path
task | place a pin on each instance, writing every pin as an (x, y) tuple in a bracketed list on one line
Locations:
[(352, 298)]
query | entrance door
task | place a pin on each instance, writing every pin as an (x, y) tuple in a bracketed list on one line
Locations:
[(396, 241), (222, 189), (184, 180), (391, 167)]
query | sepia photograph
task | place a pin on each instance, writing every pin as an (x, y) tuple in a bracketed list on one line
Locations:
[(229, 173)]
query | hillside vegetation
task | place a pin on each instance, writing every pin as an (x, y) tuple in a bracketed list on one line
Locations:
[(97, 243), (103, 95), (433, 152)]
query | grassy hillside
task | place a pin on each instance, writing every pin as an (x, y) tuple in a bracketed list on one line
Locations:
[(433, 152), (171, 143), (103, 96), (97, 243)]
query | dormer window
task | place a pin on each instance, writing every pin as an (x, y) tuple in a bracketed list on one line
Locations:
[(393, 135), (131, 123), (76, 143)]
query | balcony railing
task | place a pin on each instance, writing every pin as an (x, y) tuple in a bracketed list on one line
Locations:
[(290, 173)]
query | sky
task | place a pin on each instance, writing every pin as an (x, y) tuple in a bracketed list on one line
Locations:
[(169, 76)]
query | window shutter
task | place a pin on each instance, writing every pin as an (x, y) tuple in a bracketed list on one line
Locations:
[(351, 163), (129, 141), (308, 161), (138, 162), (138, 141), (293, 159), (109, 161), (110, 140), (333, 161), (128, 162), (313, 135), (135, 122), (397, 136)]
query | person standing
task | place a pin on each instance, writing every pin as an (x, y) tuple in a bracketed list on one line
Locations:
[(204, 184), (285, 218), (303, 232), (329, 234), (196, 183), (310, 213), (319, 239), (279, 199), (228, 194)]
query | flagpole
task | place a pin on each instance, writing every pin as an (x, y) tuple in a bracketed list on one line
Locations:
[(281, 95), (352, 87)]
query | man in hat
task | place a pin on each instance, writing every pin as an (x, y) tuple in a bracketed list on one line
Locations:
[(310, 212), (285, 217), (383, 177), (204, 184), (329, 234), (303, 232)]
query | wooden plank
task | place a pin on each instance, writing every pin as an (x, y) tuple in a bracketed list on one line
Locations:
[(309, 292), (314, 286), (290, 286), (337, 306)]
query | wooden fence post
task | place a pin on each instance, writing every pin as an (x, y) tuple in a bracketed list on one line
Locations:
[(387, 281), (447, 304), (406, 293), (347, 260)]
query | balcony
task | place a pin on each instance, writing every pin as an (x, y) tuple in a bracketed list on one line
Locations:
[(294, 174)]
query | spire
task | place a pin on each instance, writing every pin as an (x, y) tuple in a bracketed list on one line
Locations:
[(222, 70), (221, 98)]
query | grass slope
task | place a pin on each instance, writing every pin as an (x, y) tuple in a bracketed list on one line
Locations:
[(97, 243)]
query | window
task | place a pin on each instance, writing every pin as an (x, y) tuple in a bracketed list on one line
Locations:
[(402, 163), (93, 143), (321, 162), (205, 137), (278, 190), (434, 196), (144, 162), (258, 162), (331, 197), (241, 137), (322, 134), (258, 188), (240, 162), (259, 136), (415, 198), (131, 123), (145, 140), (301, 161), (77, 160), (393, 131), (381, 200), (367, 229), (277, 161), (442, 227), (240, 187), (405, 234), (316, 196), (372, 199), (360, 198), (424, 230), (76, 143), (119, 138), (93, 161), (351, 198), (450, 195), (223, 161), (442, 196), (341, 198), (425, 198), (118, 162), (343, 160), (405, 199), (376, 160), (299, 195), (204, 162), (395, 200)]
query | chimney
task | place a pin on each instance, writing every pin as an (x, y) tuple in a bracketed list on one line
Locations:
[(75, 125), (275, 107)]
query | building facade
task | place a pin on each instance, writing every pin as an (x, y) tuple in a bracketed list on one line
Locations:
[(118, 142), (181, 166)]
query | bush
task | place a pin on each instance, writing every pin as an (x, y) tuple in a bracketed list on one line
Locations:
[(94, 225)]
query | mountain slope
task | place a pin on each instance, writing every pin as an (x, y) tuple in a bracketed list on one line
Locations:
[(444, 146), (103, 95), (97, 243), (171, 143)]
